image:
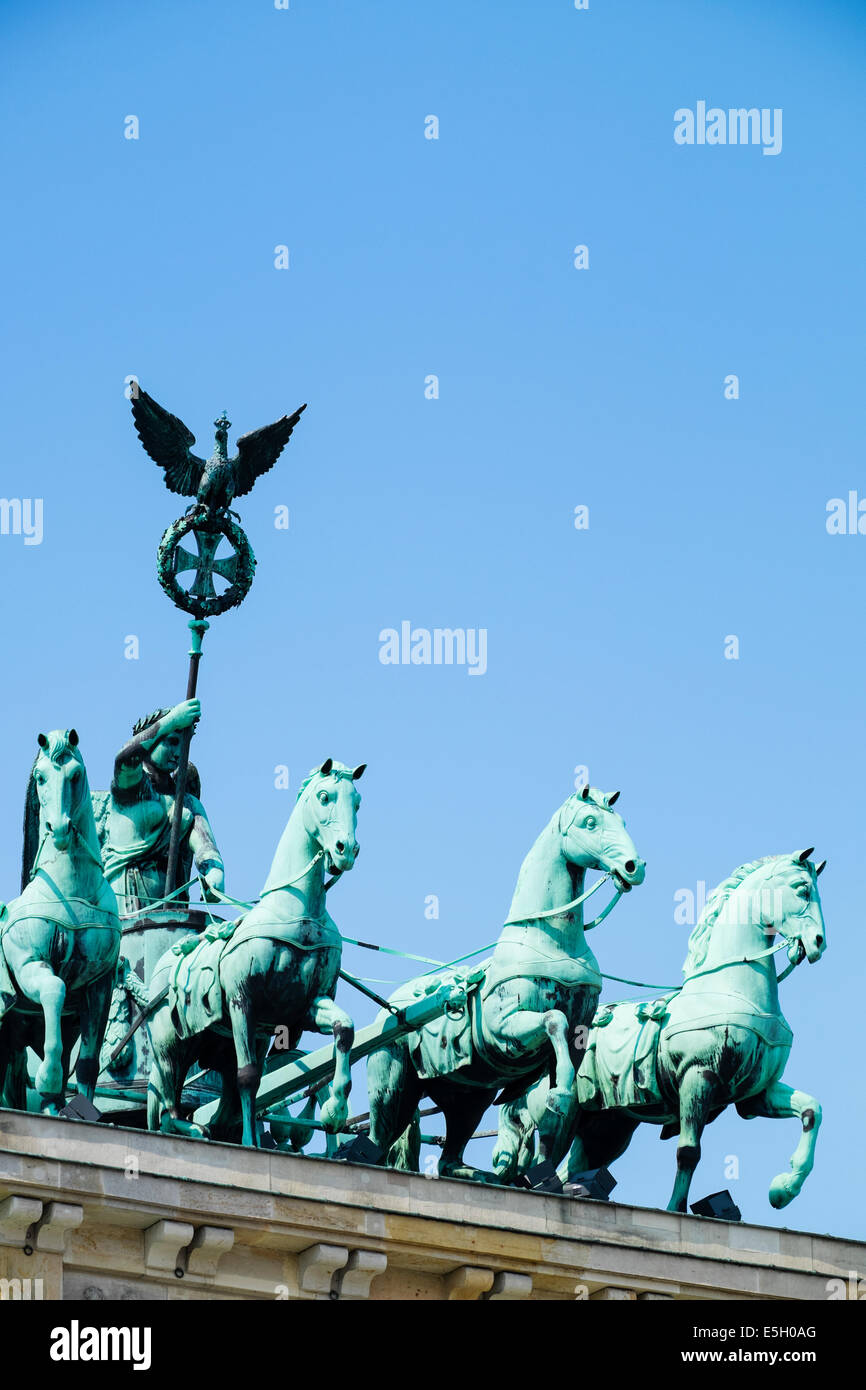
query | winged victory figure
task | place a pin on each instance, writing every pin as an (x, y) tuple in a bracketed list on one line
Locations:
[(216, 482)]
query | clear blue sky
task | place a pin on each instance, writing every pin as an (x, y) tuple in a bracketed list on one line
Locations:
[(558, 387)]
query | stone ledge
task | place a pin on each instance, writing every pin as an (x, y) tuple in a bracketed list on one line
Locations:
[(247, 1217)]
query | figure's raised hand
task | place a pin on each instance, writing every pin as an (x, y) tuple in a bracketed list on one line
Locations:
[(185, 714)]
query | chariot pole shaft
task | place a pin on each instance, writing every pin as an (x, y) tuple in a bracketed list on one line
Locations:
[(198, 627)]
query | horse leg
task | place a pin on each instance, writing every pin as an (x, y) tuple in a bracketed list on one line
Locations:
[(326, 1017), (394, 1092), (170, 1059), (13, 1064), (781, 1102), (602, 1136), (463, 1108), (518, 1121), (94, 1017), (70, 1032), (38, 981), (217, 1053), (697, 1091), (161, 1036), (249, 1072), (7, 1098), (405, 1153), (528, 1028), (226, 1121)]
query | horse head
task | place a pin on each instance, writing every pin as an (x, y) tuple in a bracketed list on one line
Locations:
[(793, 907), (60, 784), (594, 837), (776, 894), (330, 809)]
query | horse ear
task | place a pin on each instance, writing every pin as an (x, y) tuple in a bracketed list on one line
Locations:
[(359, 772), (821, 867), (73, 738), (326, 766), (584, 793), (804, 854), (613, 798), (42, 740)]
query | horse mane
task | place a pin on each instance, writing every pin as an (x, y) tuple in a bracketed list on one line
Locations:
[(337, 770), (699, 941), (31, 828)]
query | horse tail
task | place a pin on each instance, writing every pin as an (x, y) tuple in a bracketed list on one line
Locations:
[(405, 1152)]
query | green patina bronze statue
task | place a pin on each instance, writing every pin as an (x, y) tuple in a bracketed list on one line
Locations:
[(60, 938), (219, 999), (202, 1016), (678, 1060), (217, 481), (128, 998), (134, 818), (529, 1010)]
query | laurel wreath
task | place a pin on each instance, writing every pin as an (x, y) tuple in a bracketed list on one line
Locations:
[(166, 566)]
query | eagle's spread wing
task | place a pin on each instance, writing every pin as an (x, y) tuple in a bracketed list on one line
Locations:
[(259, 450), (168, 441)]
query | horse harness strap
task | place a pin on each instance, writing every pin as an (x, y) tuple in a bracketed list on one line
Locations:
[(560, 911), (91, 915), (750, 960), (292, 881), (240, 902)]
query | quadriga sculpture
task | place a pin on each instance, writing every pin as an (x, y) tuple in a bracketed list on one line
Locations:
[(60, 938), (680, 1059), (227, 992), (537, 997)]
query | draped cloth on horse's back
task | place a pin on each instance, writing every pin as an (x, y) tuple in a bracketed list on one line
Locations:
[(196, 997), (444, 1045), (43, 903), (457, 1039), (195, 993), (619, 1067)]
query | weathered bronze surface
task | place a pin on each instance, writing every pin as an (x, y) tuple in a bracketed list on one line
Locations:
[(195, 1014)]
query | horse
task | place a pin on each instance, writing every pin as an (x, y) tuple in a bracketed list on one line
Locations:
[(679, 1060), (60, 939), (533, 1008), (220, 998)]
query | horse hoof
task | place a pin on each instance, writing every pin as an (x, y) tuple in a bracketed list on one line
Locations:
[(783, 1189), (334, 1116), (169, 1125), (464, 1171), (49, 1081), (559, 1101), (504, 1165)]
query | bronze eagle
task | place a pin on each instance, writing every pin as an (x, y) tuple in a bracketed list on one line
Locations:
[(217, 481)]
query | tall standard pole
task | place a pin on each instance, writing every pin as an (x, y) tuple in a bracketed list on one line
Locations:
[(198, 627)]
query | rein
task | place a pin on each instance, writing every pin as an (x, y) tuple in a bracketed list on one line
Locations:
[(560, 911), (734, 960), (223, 897), (292, 881), (749, 960)]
